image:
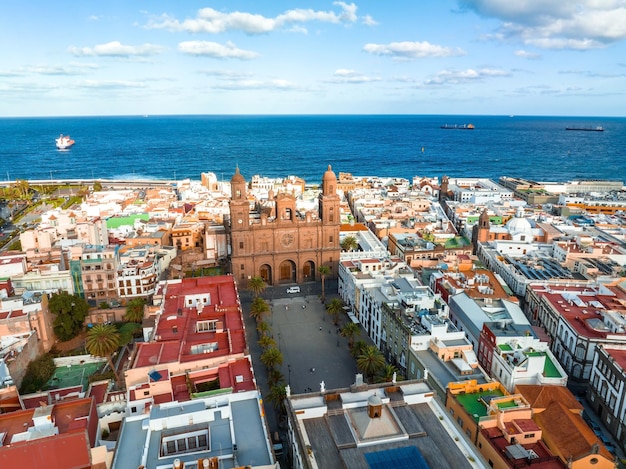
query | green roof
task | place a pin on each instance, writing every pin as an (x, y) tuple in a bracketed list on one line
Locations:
[(473, 405), (116, 222), (505, 347), (549, 368)]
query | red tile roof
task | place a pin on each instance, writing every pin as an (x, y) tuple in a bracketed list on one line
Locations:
[(177, 330), (68, 451)]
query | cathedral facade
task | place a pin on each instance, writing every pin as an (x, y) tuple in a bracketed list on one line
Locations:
[(278, 243)]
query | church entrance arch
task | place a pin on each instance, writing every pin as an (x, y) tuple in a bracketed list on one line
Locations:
[(308, 271), (265, 272), (287, 272)]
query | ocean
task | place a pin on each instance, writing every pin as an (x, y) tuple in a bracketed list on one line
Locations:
[(179, 147)]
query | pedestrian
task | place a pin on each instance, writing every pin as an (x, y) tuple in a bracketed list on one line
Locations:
[(320, 328)]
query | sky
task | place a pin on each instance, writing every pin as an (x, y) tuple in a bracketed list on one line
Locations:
[(471, 57)]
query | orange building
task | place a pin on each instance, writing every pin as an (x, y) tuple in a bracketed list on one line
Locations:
[(279, 243)]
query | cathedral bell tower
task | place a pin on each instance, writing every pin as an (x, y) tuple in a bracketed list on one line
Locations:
[(239, 206)]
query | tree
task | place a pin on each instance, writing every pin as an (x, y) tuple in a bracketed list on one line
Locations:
[(277, 396), (70, 312), (358, 348), (386, 373), (135, 310), (263, 328), (265, 341), (97, 186), (102, 340), (334, 307), (257, 286), (371, 361), (272, 358), (274, 376), (349, 243), (323, 270), (258, 309), (350, 330)]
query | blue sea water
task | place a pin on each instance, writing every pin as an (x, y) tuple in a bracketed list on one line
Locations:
[(177, 147)]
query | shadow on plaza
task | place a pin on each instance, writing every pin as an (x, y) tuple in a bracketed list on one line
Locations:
[(312, 348)]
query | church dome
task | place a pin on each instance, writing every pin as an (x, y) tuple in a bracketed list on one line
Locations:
[(329, 175), (374, 400), (237, 177), (519, 225)]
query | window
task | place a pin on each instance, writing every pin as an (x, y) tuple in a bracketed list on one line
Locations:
[(206, 326), (240, 244), (529, 435)]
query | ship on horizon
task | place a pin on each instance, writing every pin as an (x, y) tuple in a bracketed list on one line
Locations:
[(597, 128), (64, 142), (458, 126)]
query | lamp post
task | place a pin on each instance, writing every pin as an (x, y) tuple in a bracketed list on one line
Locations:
[(289, 375)]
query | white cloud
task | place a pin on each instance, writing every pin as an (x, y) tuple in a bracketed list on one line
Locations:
[(556, 24), (116, 49), (209, 20), (215, 50), (369, 21), (275, 84), (526, 55), (344, 75), (227, 74), (412, 50), (110, 84), (453, 77)]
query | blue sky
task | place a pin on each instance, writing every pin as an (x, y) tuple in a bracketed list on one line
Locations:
[(498, 57)]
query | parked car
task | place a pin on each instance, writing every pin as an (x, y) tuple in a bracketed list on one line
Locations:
[(295, 289)]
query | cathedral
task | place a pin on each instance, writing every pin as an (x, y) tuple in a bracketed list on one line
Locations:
[(277, 242)]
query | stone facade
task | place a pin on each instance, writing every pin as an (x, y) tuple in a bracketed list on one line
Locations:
[(279, 243)]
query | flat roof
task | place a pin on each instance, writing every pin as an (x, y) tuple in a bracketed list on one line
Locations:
[(225, 420)]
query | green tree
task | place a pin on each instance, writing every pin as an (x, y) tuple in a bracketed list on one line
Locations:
[(263, 328), (265, 341), (97, 186), (358, 348), (334, 307), (349, 243), (371, 361), (38, 373), (272, 358), (102, 340), (274, 376), (385, 375), (257, 286), (70, 312), (323, 270), (258, 309), (350, 330), (277, 396), (135, 310)]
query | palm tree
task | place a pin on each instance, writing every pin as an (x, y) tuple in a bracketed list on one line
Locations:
[(371, 361), (263, 328), (272, 358), (386, 374), (257, 285), (274, 377), (334, 308), (266, 341), (323, 270), (134, 310), (349, 243), (350, 330), (277, 396), (102, 340), (258, 309), (358, 348)]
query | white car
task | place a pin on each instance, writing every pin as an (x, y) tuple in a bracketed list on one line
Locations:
[(293, 290)]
